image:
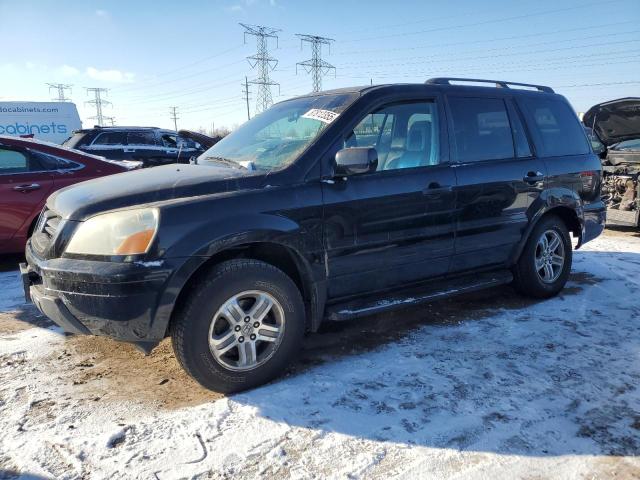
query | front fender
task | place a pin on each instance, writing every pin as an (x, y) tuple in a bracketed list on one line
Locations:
[(194, 248)]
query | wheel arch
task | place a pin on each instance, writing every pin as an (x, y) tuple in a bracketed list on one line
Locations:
[(570, 217), (282, 256)]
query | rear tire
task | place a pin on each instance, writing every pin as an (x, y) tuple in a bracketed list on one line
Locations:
[(545, 263), (240, 327)]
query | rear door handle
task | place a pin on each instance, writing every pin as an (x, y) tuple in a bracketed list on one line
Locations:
[(435, 189), (129, 150), (27, 187), (534, 177)]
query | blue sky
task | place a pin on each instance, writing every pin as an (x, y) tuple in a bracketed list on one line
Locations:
[(156, 54)]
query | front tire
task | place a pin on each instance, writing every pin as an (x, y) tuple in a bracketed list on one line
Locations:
[(240, 327), (545, 263)]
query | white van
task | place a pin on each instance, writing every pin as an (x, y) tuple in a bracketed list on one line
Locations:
[(49, 121)]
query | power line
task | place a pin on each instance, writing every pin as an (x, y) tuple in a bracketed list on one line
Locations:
[(315, 65), (174, 116), (537, 34), (99, 102), (177, 79), (263, 62), (487, 22), (465, 58), (60, 87), (174, 70)]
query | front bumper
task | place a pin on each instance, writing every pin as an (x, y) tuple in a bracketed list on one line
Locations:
[(118, 300)]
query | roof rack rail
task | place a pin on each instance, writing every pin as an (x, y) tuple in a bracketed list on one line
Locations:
[(497, 83), (120, 127)]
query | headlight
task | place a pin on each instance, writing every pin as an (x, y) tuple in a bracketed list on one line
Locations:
[(129, 232)]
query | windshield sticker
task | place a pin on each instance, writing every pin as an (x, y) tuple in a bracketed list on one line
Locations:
[(326, 116)]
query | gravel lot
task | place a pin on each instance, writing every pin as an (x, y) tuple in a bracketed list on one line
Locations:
[(490, 385)]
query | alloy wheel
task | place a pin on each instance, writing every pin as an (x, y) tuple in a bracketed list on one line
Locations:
[(550, 256), (246, 330)]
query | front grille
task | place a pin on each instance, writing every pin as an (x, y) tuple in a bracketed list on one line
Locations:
[(45, 230)]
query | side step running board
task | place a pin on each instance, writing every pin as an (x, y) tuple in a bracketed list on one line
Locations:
[(415, 295)]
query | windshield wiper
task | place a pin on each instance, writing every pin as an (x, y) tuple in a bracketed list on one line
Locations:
[(226, 161)]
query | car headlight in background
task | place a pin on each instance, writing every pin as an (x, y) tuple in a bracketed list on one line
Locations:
[(128, 232)]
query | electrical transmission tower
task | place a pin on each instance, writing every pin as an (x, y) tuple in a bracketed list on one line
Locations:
[(60, 87), (315, 65), (245, 96), (263, 62), (99, 102), (173, 114)]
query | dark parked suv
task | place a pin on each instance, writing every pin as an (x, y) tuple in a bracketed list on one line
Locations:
[(150, 145), (332, 205)]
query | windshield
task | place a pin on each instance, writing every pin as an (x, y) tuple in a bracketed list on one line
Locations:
[(277, 137), (628, 145), (597, 146), (73, 140)]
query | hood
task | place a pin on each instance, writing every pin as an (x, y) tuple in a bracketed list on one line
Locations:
[(616, 120), (205, 140), (149, 185)]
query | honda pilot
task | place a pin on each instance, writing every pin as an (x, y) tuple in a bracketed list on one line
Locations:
[(333, 205)]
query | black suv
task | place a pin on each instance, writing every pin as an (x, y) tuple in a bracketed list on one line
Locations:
[(333, 205), (150, 145)]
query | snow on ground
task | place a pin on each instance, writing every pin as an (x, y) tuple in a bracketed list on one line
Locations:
[(11, 291), (483, 386)]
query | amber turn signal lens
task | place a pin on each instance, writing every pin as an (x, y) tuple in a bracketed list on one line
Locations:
[(136, 243)]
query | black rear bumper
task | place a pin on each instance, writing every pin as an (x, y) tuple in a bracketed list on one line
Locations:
[(118, 300), (595, 217)]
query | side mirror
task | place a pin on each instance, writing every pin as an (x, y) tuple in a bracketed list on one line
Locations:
[(356, 160)]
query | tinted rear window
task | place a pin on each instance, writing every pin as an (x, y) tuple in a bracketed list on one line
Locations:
[(557, 126), (141, 138), (481, 129), (111, 138)]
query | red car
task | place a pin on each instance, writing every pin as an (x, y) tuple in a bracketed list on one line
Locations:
[(30, 171)]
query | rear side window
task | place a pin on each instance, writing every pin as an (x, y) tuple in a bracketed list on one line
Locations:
[(481, 129), (50, 162), (141, 138), (110, 138), (557, 126)]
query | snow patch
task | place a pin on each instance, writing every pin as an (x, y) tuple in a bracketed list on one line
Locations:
[(11, 291)]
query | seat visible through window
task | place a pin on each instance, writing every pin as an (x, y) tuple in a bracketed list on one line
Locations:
[(402, 134), (418, 144)]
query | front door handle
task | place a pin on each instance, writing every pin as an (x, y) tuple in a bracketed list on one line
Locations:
[(435, 189), (129, 150), (27, 188), (534, 177)]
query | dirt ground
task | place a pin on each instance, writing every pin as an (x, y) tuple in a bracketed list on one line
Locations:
[(106, 370)]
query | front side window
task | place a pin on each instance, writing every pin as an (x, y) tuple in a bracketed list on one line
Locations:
[(405, 135), (277, 137), (481, 129), (110, 138), (558, 127), (169, 140), (12, 161)]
